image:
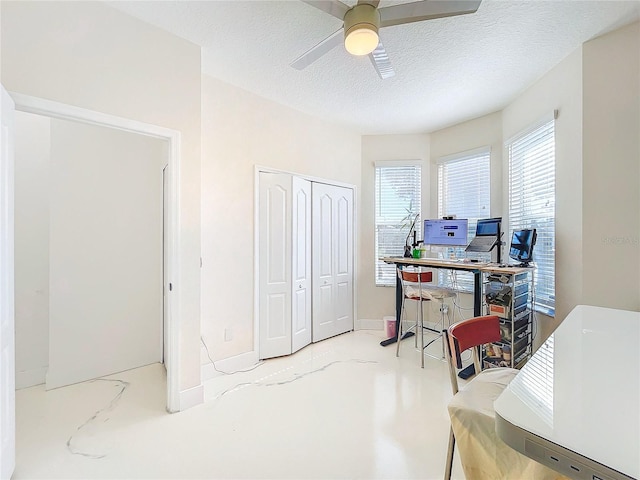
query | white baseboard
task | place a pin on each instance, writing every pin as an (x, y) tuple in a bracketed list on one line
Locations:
[(379, 324), (191, 397), (369, 324), (29, 378), (228, 365)]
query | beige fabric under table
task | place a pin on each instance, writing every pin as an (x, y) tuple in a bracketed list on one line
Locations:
[(483, 455)]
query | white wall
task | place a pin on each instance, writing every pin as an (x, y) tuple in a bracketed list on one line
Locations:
[(561, 89), (376, 302), (105, 252), (611, 170), (90, 55), (241, 130), (32, 159)]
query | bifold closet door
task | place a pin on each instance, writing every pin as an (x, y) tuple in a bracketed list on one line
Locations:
[(284, 264), (332, 246)]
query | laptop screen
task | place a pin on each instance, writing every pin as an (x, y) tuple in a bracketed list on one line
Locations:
[(488, 226)]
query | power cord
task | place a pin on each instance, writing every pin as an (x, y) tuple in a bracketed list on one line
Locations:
[(220, 371)]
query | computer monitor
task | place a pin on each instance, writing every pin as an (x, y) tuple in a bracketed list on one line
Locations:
[(522, 242), (450, 233)]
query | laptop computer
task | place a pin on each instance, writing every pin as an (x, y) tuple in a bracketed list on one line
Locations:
[(487, 233)]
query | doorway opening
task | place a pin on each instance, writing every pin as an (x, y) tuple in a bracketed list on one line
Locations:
[(167, 204)]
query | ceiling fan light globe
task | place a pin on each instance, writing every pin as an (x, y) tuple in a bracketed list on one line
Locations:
[(361, 25), (361, 41)]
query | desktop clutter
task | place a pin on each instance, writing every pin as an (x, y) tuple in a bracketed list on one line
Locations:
[(452, 232)]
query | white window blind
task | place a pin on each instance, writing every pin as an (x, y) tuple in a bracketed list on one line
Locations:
[(532, 203), (464, 190), (397, 201), (536, 388)]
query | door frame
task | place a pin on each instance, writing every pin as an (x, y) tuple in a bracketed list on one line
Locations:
[(7, 310), (48, 108), (256, 243)]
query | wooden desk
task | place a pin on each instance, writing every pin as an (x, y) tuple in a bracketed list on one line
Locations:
[(476, 268), (575, 405)]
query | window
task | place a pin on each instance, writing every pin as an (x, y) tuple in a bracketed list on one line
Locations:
[(397, 198), (464, 190), (532, 201)]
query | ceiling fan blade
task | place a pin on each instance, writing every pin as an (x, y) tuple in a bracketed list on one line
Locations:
[(373, 3), (319, 50), (381, 63), (332, 7), (425, 10)]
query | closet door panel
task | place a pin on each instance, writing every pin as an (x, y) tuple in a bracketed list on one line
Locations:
[(344, 259), (275, 265), (301, 267), (332, 226)]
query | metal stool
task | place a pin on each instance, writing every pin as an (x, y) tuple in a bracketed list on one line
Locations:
[(412, 282), (439, 294)]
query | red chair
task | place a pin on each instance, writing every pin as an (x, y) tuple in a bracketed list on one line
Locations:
[(482, 453), (462, 336)]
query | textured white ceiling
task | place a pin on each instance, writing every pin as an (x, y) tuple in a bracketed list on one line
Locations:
[(447, 70)]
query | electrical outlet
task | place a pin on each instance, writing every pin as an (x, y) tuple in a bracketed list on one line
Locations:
[(444, 308), (228, 334)]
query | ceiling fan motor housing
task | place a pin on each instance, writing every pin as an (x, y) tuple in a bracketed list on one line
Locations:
[(363, 17)]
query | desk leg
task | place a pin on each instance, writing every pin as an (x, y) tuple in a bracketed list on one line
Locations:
[(477, 293), (392, 340)]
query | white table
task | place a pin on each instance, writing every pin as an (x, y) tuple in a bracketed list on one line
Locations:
[(575, 406)]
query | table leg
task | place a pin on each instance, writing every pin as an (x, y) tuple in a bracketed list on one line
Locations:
[(477, 293), (392, 340)]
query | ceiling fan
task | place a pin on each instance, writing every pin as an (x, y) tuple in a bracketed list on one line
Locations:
[(362, 22)]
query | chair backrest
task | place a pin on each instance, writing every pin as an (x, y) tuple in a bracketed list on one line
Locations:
[(415, 276), (466, 334), (412, 280)]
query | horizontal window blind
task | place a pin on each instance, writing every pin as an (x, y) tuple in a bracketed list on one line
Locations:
[(532, 203), (536, 388), (397, 202), (464, 191), (464, 187)]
